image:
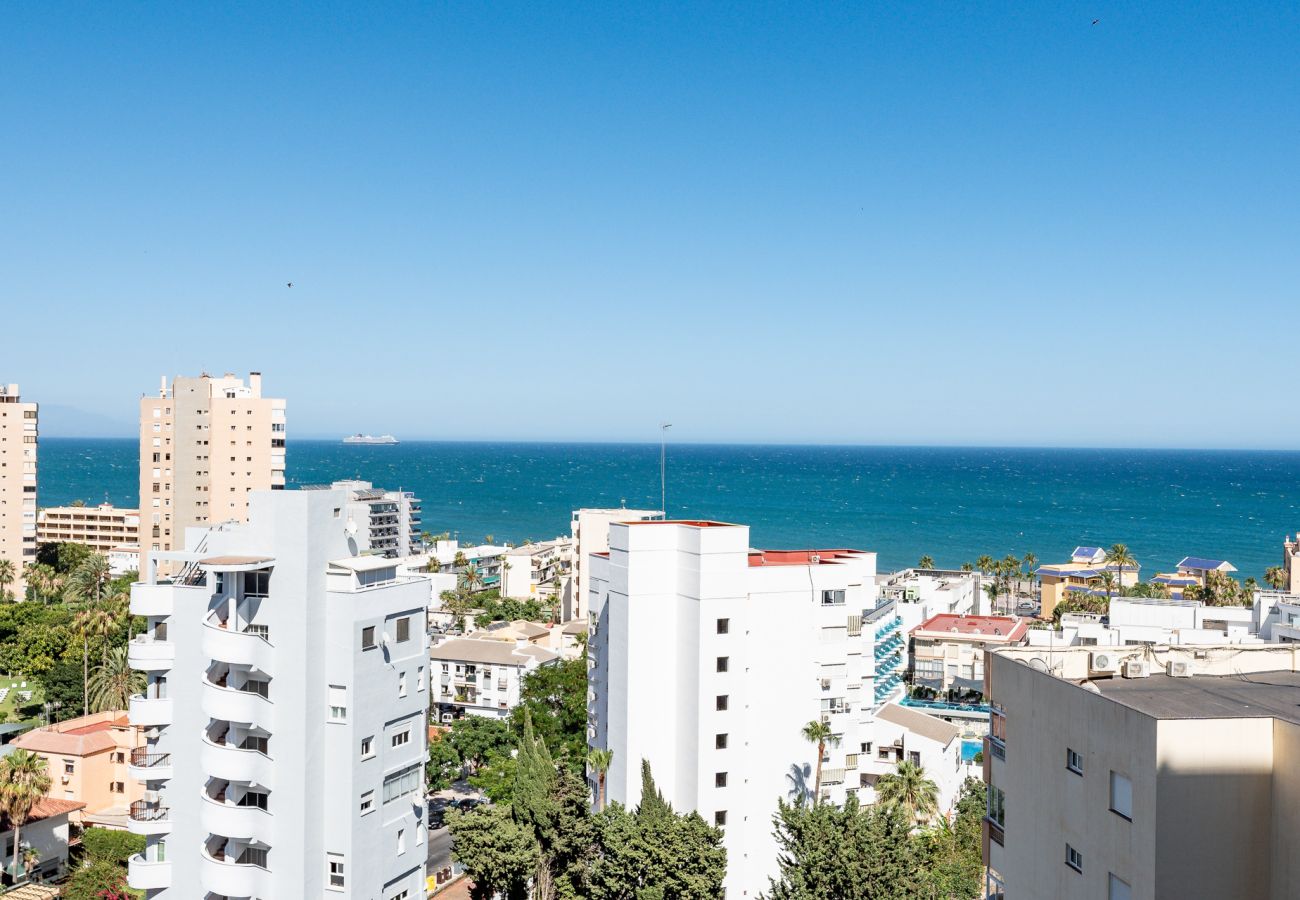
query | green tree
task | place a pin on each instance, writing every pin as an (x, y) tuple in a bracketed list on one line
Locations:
[(555, 698), (909, 789), (111, 845), (1119, 556), (1107, 580), (443, 767), (949, 854), (1275, 577), (819, 733), (985, 564), (598, 760), (926, 562), (64, 689), (475, 738), (113, 682), (88, 583), (498, 853), (100, 879), (24, 780), (8, 575)]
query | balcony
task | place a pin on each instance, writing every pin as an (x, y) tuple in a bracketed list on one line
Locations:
[(150, 711), (231, 705), (248, 823), (148, 875), (221, 760), (247, 647), (152, 599), (144, 765), (148, 818), (232, 879), (148, 654)]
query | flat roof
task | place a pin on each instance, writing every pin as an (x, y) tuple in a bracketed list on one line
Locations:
[(989, 628), (801, 557), (365, 563), (1253, 696)]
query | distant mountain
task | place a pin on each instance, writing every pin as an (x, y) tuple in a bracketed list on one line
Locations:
[(68, 421)]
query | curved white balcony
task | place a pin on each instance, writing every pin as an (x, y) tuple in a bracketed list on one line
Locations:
[(152, 599), (234, 764), (232, 705), (149, 711), (232, 879), (148, 654), (242, 648), (144, 875), (243, 822), (143, 766), (148, 818)]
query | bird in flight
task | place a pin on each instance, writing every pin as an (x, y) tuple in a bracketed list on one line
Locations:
[(289, 284), (1096, 21)]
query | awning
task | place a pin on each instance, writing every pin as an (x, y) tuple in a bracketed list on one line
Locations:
[(968, 684)]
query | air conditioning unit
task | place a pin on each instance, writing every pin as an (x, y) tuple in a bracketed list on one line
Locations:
[(1104, 662), (150, 796), (1178, 669), (1135, 668)]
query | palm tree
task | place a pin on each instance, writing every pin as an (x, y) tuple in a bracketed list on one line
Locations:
[(985, 564), (487, 539), (44, 581), (598, 762), (1030, 561), (1010, 570), (910, 789), (1275, 577), (8, 575), (113, 682), (968, 567), (1119, 557), (1107, 579), (819, 733), (471, 577), (23, 782), (88, 583), (992, 589), (927, 562)]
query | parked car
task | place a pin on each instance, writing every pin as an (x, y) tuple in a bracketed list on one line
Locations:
[(1027, 608)]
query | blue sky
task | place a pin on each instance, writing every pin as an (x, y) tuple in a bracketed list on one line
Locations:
[(950, 223)]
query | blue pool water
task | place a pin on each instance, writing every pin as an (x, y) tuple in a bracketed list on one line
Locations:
[(969, 749)]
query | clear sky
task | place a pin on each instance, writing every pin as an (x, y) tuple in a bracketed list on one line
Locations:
[(955, 223)]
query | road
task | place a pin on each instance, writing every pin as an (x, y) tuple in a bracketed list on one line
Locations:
[(439, 850)]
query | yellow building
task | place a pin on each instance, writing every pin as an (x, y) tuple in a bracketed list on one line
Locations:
[(101, 528), (1082, 574), (1191, 572)]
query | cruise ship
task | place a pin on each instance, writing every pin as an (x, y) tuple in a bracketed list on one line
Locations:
[(370, 439)]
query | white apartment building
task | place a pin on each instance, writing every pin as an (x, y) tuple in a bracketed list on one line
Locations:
[(384, 522), (1143, 773), (485, 558), (483, 676), (205, 443), (102, 528), (591, 535), (530, 571), (19, 436), (708, 659), (285, 713)]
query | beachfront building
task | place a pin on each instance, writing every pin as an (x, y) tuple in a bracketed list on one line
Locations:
[(1082, 574), (1137, 621), (450, 558), (734, 651), (533, 571), (46, 833), (381, 522), (1143, 773), (205, 444), (482, 676), (102, 528), (285, 712), (1191, 571), (948, 650), (590, 528), (87, 759), (18, 445)]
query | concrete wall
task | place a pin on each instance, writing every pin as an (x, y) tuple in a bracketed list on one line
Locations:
[(1286, 811)]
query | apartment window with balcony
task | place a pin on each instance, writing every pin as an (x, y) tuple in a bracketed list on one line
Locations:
[(1119, 889), (720, 742), (724, 626), (253, 800), (368, 638), (255, 742), (334, 870), (1073, 761), (338, 703), (996, 812), (723, 663), (1121, 795), (252, 856), (1073, 858), (720, 703), (368, 746)]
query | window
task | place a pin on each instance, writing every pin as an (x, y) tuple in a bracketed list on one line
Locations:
[(403, 783), (334, 869), (720, 779), (338, 703), (116, 787), (723, 663), (1073, 761), (119, 757), (997, 811), (724, 626), (720, 818), (419, 679), (401, 895), (1073, 858), (368, 637), (252, 856), (721, 703), (832, 598), (401, 738), (720, 742), (368, 746), (253, 800), (403, 630), (1119, 888), (367, 802), (401, 841), (69, 767), (1121, 795), (401, 684)]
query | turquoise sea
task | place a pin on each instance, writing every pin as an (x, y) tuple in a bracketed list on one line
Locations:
[(952, 503)]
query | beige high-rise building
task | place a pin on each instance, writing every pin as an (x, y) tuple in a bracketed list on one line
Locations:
[(205, 443), (101, 528), (18, 440)]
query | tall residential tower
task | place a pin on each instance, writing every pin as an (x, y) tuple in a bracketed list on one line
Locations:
[(18, 438)]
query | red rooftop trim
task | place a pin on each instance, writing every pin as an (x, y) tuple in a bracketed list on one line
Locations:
[(693, 523), (996, 628), (798, 557)]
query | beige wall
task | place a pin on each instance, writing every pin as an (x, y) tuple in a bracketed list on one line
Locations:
[(19, 435), (1286, 810), (99, 527), (92, 776)]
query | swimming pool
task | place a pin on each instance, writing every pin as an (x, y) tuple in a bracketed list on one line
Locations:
[(969, 749)]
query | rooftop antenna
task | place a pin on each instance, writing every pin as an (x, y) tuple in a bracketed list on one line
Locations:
[(663, 481)]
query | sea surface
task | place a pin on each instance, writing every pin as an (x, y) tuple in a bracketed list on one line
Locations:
[(951, 503)]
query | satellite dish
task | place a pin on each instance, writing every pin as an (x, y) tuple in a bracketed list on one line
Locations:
[(1038, 665)]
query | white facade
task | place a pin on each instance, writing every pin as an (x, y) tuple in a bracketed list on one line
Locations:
[(285, 708), (591, 535), (1136, 621), (530, 570), (708, 659), (482, 676), (384, 522)]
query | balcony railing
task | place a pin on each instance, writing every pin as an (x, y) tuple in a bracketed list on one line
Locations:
[(148, 812), (141, 758)]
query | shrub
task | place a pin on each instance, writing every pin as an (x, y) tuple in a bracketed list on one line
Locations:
[(111, 846)]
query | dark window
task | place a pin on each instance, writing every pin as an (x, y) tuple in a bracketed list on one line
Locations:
[(720, 818), (721, 702), (724, 626), (403, 630), (720, 741), (368, 637), (723, 662), (720, 779)]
